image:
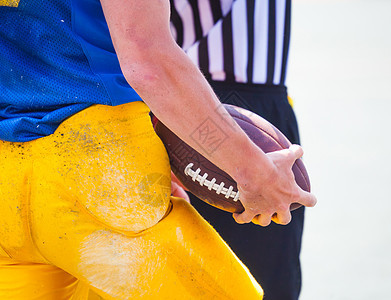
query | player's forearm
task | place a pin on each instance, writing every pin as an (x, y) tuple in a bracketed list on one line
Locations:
[(181, 98), (172, 86)]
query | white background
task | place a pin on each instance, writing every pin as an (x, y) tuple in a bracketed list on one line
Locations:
[(340, 78)]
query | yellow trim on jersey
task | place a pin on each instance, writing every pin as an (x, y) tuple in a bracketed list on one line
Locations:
[(10, 3)]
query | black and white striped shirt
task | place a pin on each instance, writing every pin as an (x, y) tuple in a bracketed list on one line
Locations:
[(242, 41)]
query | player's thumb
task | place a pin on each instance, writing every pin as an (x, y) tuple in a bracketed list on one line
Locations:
[(296, 151)]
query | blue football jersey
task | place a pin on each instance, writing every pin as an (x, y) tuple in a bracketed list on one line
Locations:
[(56, 59)]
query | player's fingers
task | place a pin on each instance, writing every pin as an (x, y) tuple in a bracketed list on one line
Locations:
[(282, 218), (307, 199), (264, 220), (257, 220), (275, 218), (178, 191), (177, 181), (244, 217)]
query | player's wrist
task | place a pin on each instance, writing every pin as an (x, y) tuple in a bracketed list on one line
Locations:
[(256, 167)]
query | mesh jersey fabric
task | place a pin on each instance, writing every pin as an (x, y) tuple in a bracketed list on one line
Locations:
[(56, 59)]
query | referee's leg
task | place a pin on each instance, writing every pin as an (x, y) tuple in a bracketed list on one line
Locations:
[(271, 253)]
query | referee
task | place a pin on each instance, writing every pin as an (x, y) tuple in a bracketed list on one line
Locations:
[(242, 49)]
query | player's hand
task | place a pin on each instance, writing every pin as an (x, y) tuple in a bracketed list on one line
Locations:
[(177, 189), (269, 197)]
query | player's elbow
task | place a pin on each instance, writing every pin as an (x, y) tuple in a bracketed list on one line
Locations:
[(147, 66), (141, 74)]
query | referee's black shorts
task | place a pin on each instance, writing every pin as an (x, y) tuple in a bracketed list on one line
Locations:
[(271, 253)]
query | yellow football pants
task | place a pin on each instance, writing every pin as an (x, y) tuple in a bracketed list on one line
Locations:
[(89, 208)]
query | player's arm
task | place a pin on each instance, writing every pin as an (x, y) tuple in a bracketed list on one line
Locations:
[(177, 93)]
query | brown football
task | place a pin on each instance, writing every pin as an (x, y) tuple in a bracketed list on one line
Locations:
[(209, 183)]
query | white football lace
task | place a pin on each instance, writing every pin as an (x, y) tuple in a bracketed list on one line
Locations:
[(211, 184)]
